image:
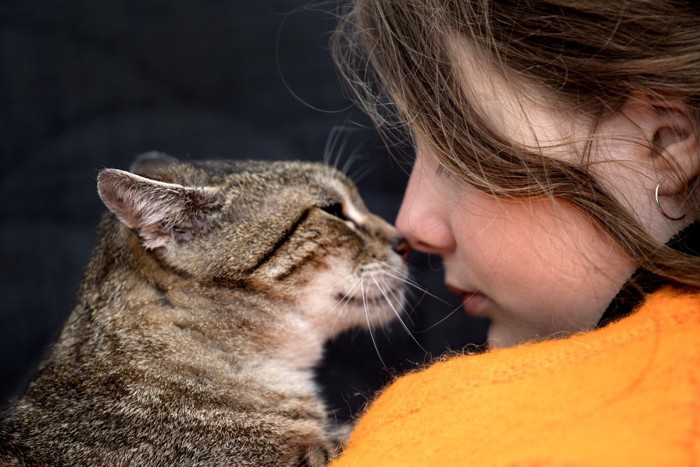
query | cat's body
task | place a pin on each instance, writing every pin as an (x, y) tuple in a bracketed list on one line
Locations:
[(203, 311)]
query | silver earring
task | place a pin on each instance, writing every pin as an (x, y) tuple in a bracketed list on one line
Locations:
[(661, 210)]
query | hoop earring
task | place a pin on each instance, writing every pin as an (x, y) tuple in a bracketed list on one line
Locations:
[(661, 210)]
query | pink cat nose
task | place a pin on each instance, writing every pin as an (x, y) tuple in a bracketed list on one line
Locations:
[(400, 246)]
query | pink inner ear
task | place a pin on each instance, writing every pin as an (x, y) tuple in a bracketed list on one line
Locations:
[(111, 186), (119, 207), (142, 204), (158, 212)]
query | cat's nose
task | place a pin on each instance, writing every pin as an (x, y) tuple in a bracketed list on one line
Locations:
[(400, 246)]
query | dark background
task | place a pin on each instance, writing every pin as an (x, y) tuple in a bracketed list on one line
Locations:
[(87, 84)]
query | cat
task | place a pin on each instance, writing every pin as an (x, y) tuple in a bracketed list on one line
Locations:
[(202, 313)]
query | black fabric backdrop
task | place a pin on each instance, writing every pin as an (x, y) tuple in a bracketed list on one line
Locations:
[(87, 84)]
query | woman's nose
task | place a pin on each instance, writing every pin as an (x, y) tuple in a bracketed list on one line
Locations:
[(423, 217)]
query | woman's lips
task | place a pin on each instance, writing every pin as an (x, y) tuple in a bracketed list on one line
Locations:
[(472, 302)]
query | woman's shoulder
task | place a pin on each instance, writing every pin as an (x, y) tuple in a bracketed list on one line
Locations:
[(624, 392)]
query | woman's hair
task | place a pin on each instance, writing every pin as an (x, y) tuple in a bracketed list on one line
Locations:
[(589, 56)]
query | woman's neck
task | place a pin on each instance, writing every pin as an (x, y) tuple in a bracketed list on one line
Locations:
[(643, 282)]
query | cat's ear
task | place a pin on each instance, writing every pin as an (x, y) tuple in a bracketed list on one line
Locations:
[(159, 213)]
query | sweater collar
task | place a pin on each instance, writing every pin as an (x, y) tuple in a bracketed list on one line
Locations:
[(643, 282)]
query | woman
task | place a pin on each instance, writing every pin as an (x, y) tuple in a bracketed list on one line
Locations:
[(556, 174)]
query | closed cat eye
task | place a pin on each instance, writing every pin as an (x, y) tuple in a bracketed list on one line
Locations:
[(335, 209)]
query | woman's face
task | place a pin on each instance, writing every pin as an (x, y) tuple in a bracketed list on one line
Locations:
[(535, 268)]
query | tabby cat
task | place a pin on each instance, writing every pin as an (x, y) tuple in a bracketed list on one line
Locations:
[(203, 310)]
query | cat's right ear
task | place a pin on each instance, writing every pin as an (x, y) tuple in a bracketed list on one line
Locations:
[(159, 213)]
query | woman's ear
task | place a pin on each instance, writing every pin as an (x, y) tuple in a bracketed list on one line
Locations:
[(672, 133)]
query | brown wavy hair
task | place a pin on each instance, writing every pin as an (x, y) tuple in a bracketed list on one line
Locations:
[(589, 55)]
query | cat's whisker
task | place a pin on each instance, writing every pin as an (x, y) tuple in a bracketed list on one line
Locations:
[(371, 273), (344, 302), (416, 286), (393, 291), (369, 325), (407, 281), (347, 296), (362, 172), (407, 311), (445, 318), (400, 275), (354, 157), (337, 317), (398, 316), (338, 136), (415, 301), (329, 149)]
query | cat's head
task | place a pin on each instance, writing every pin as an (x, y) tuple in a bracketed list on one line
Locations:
[(295, 230)]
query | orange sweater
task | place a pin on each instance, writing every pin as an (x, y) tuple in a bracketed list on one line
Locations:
[(626, 394)]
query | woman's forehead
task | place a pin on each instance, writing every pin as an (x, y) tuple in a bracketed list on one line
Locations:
[(514, 107)]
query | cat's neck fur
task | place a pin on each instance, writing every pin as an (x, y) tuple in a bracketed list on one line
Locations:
[(168, 303)]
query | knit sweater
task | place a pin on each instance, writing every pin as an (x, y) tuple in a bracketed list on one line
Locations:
[(625, 394)]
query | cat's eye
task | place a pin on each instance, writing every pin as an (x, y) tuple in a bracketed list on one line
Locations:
[(336, 210), (340, 211)]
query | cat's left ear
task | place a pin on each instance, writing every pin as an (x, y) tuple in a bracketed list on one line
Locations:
[(159, 213)]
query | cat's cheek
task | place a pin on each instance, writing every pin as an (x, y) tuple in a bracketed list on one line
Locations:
[(320, 295), (343, 295)]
